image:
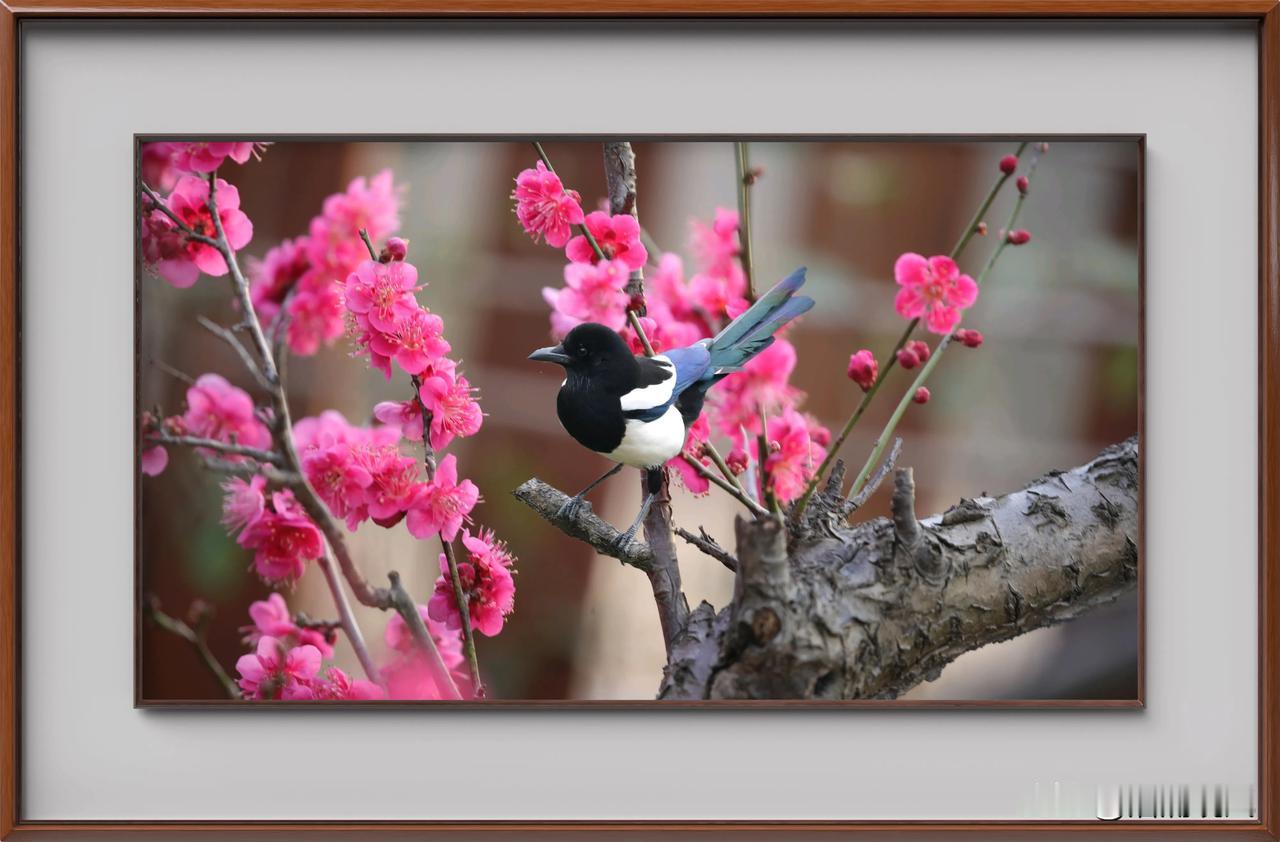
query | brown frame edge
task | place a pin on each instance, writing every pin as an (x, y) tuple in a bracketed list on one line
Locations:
[(1266, 13)]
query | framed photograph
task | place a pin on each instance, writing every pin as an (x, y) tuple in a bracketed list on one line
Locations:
[(910, 439)]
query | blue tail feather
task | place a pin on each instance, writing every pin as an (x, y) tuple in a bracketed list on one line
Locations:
[(753, 330)]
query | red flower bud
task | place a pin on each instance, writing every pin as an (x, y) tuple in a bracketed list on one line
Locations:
[(982, 229), (1019, 237), (920, 349), (970, 338), (737, 461), (863, 369), (907, 358), (1008, 164), (1023, 183), (395, 249), (636, 303), (921, 395), (775, 446)]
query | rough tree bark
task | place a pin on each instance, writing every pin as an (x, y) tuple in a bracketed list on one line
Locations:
[(829, 611)]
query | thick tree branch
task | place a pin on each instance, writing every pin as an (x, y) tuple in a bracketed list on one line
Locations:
[(582, 523), (871, 611)]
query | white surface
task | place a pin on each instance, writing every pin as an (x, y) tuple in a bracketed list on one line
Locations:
[(87, 754)]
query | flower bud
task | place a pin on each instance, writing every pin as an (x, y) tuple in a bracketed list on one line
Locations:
[(775, 446), (636, 303), (1019, 237), (1008, 164), (395, 249), (737, 461), (921, 396), (1024, 184), (982, 229), (908, 358), (863, 369), (970, 338), (920, 349)]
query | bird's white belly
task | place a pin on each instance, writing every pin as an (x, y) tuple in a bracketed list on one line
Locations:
[(649, 444)]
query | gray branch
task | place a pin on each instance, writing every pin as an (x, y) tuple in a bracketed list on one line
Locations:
[(873, 610), (582, 523)]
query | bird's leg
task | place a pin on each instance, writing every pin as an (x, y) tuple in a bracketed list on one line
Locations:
[(624, 540), (653, 484), (570, 507)]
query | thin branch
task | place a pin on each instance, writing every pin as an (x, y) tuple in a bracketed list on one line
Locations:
[(274, 476), (885, 467), (733, 491), (182, 226), (581, 523), (347, 620), (708, 545), (230, 338), (721, 465), (892, 358), (175, 373), (927, 368), (197, 637), (464, 612), (270, 457), (745, 179)]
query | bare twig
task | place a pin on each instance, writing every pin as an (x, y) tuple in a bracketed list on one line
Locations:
[(885, 467), (708, 545), (734, 491), (887, 365), (745, 179), (464, 612), (347, 620), (230, 338), (267, 456), (197, 637)]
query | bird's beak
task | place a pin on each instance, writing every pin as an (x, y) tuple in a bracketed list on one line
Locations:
[(554, 354)]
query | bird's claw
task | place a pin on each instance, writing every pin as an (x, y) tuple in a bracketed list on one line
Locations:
[(623, 542), (569, 509)]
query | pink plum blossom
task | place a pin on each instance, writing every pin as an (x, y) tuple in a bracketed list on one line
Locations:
[(487, 585), (790, 466), (334, 244), (155, 165), (617, 235), (545, 209), (407, 415), (338, 686), (207, 157), (763, 384), (382, 293), (189, 202), (154, 460), (284, 540), (454, 412), (416, 342), (863, 369), (218, 410), (592, 293), (276, 672), (699, 433), (932, 289), (442, 505), (272, 277), (315, 319), (271, 618)]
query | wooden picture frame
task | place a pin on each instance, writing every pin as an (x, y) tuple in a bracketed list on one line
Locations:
[(1262, 13)]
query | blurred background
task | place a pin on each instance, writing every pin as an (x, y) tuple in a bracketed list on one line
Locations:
[(1056, 381)]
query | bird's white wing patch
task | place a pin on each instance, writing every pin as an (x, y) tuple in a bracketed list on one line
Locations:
[(647, 444), (648, 397)]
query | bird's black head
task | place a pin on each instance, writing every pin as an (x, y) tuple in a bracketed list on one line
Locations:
[(594, 354)]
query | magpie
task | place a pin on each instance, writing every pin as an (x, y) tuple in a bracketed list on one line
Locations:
[(637, 410)]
